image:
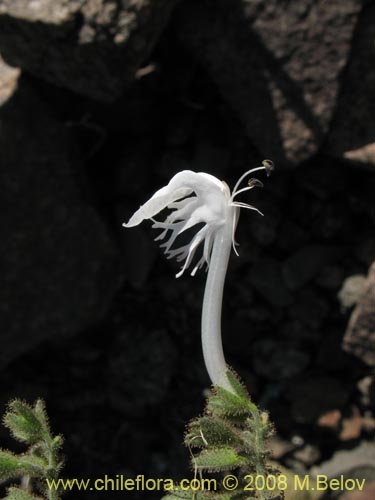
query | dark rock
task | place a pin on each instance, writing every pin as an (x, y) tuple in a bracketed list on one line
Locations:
[(331, 222), (330, 277), (298, 330), (242, 295), (277, 360), (365, 250), (330, 348), (243, 328), (138, 250), (277, 64), (264, 229), (171, 158), (248, 252), (209, 157), (360, 335), (291, 236), (93, 48), (57, 263), (131, 174), (305, 263), (180, 127), (266, 278), (352, 129), (237, 340), (280, 410), (304, 208), (259, 314), (322, 181), (140, 367), (138, 254), (311, 397), (310, 309), (279, 187)]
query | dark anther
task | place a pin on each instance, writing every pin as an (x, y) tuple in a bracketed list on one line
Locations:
[(269, 166), (255, 183)]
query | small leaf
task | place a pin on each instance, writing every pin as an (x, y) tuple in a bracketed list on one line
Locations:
[(9, 465), (238, 387), (41, 413), (22, 422), (13, 466), (32, 465), (18, 494), (44, 450), (57, 443), (225, 404), (211, 431), (216, 460)]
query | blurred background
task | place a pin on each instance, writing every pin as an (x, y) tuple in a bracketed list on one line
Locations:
[(101, 103)]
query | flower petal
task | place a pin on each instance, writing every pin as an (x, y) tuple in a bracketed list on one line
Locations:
[(193, 198), (160, 200), (181, 185)]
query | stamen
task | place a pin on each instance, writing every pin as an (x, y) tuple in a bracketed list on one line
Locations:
[(251, 185), (255, 183), (267, 165), (244, 176)]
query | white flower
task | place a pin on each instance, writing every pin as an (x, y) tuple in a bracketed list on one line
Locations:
[(199, 198), (194, 198)]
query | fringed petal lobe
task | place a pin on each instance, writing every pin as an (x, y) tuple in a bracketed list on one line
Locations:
[(193, 198)]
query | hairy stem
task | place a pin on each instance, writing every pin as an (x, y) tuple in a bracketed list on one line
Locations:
[(52, 494), (212, 303)]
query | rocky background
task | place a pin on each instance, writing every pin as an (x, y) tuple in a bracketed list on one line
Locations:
[(101, 102)]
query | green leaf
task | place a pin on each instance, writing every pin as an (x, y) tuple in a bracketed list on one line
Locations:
[(42, 459), (57, 443), (210, 431), (41, 414), (216, 460), (23, 423), (44, 450), (15, 465), (15, 493), (34, 466), (238, 387), (225, 404), (9, 465)]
